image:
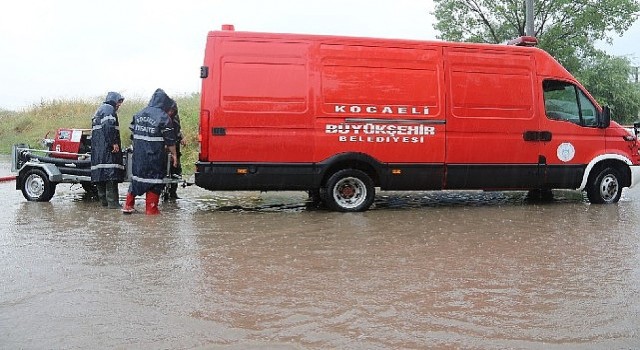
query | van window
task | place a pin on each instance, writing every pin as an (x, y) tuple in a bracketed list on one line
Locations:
[(565, 101)]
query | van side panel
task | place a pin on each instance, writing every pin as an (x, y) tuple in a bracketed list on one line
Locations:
[(256, 117), (264, 104), (491, 96), (386, 102)]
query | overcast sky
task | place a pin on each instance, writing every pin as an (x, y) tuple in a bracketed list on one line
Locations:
[(82, 48)]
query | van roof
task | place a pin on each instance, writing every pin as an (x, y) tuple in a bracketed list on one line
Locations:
[(522, 43)]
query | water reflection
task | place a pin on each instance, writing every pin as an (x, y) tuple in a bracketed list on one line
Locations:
[(255, 270)]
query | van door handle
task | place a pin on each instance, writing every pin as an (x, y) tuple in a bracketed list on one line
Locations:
[(544, 136), (218, 131)]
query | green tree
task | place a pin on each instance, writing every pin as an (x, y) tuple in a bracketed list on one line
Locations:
[(567, 29), (607, 78)]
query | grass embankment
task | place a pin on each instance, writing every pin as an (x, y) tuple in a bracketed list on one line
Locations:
[(33, 124)]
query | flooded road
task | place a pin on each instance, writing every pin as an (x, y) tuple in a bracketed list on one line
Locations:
[(224, 270)]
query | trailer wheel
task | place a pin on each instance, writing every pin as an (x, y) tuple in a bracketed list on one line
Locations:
[(349, 190), (605, 187), (36, 186)]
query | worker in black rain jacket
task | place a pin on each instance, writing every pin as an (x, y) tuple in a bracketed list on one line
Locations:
[(107, 169), (153, 136)]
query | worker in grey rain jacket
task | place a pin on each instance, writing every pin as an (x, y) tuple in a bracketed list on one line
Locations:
[(153, 136), (107, 169)]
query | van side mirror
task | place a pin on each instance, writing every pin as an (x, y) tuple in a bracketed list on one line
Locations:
[(604, 118)]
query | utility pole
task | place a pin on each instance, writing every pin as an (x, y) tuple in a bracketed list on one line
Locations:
[(529, 28)]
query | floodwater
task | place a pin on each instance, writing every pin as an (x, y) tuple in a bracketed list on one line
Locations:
[(249, 270)]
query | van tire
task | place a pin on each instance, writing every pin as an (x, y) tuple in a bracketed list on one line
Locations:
[(605, 187), (36, 187), (349, 190)]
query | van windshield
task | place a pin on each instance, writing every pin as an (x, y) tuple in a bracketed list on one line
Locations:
[(565, 101)]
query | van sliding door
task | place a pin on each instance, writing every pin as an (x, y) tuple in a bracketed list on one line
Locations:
[(490, 111)]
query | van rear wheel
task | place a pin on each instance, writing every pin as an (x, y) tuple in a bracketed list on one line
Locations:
[(605, 187), (349, 190)]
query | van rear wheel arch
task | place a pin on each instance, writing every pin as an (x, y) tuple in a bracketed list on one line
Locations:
[(357, 161)]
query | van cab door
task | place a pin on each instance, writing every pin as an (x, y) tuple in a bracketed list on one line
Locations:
[(570, 120)]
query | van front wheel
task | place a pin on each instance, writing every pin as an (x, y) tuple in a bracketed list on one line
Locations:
[(605, 187), (349, 190)]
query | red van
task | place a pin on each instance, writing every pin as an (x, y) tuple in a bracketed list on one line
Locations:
[(340, 116)]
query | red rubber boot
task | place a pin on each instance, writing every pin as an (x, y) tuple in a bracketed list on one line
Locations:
[(152, 203), (129, 203)]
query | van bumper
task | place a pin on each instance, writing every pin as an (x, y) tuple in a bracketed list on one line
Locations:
[(256, 176), (635, 175)]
